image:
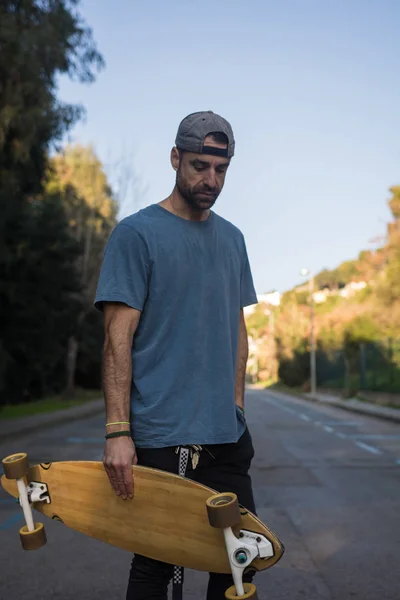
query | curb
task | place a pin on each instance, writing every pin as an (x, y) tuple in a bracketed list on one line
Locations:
[(351, 405), (364, 408), (23, 425)]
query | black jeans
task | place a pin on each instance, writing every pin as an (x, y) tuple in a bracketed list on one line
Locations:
[(222, 467)]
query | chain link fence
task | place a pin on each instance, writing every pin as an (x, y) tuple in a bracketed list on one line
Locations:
[(373, 366)]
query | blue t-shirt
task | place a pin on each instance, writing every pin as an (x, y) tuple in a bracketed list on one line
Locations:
[(189, 279)]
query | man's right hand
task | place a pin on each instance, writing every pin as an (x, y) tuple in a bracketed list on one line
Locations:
[(119, 456)]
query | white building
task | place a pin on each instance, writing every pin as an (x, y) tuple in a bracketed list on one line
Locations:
[(347, 291), (271, 298), (352, 288)]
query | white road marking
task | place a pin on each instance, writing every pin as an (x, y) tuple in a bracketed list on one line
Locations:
[(282, 407), (340, 423), (326, 425), (368, 448), (85, 440), (371, 436)]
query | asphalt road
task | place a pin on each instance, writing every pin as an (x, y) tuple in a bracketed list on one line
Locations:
[(326, 481)]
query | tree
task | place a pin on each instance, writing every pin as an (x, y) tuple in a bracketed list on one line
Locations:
[(40, 40), (260, 324), (292, 328), (389, 288), (78, 176), (129, 189), (38, 299)]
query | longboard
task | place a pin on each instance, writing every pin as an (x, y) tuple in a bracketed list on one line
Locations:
[(167, 519)]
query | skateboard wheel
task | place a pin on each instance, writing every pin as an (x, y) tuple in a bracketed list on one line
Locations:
[(16, 466), (33, 540), (223, 510), (250, 591)]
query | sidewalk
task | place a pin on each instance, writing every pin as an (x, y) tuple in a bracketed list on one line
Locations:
[(23, 425), (358, 406), (352, 404)]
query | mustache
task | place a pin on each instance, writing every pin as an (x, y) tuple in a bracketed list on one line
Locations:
[(206, 190)]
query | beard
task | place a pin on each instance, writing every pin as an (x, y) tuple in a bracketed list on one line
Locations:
[(200, 197)]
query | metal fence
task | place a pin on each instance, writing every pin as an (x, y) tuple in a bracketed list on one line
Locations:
[(374, 366)]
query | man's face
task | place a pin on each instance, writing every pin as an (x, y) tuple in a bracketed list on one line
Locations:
[(200, 177)]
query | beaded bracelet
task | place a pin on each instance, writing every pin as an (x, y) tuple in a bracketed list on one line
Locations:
[(116, 434)]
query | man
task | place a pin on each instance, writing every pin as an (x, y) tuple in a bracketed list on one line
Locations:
[(173, 284)]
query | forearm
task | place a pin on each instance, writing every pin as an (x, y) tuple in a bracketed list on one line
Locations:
[(119, 452), (117, 380), (120, 326), (242, 356)]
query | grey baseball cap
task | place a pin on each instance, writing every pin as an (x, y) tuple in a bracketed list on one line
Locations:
[(197, 126)]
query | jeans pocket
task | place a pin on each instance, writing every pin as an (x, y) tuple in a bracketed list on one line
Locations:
[(246, 448)]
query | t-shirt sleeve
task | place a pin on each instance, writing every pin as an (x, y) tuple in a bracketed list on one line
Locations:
[(124, 273), (248, 294)]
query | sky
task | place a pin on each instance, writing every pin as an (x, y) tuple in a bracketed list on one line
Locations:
[(311, 89)]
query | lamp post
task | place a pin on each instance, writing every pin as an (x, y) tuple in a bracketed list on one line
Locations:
[(271, 347), (313, 364)]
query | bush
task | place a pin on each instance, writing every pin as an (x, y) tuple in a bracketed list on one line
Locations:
[(295, 372)]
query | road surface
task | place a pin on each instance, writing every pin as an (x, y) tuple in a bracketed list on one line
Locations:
[(327, 481)]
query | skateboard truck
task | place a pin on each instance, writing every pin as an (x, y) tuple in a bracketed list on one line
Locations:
[(16, 466), (243, 551), (36, 492), (224, 513)]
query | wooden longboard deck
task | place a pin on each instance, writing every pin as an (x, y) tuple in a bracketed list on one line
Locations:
[(166, 519)]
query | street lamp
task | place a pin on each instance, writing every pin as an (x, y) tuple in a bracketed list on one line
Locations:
[(313, 367)]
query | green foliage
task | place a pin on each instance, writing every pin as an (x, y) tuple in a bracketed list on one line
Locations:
[(295, 371), (78, 176), (362, 329), (47, 405), (388, 288), (373, 366), (91, 338), (349, 329), (39, 294), (287, 298), (337, 278), (257, 321), (330, 303), (41, 291), (330, 339), (364, 294), (303, 298), (39, 41), (388, 291)]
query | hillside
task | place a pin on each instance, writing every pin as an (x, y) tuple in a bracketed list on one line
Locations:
[(356, 308)]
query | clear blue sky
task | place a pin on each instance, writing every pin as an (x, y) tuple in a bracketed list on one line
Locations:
[(311, 88)]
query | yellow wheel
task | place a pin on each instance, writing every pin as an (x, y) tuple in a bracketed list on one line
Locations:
[(16, 465), (250, 591), (223, 510), (33, 540)]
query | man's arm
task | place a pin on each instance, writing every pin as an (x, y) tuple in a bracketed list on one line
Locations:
[(243, 353), (120, 324)]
